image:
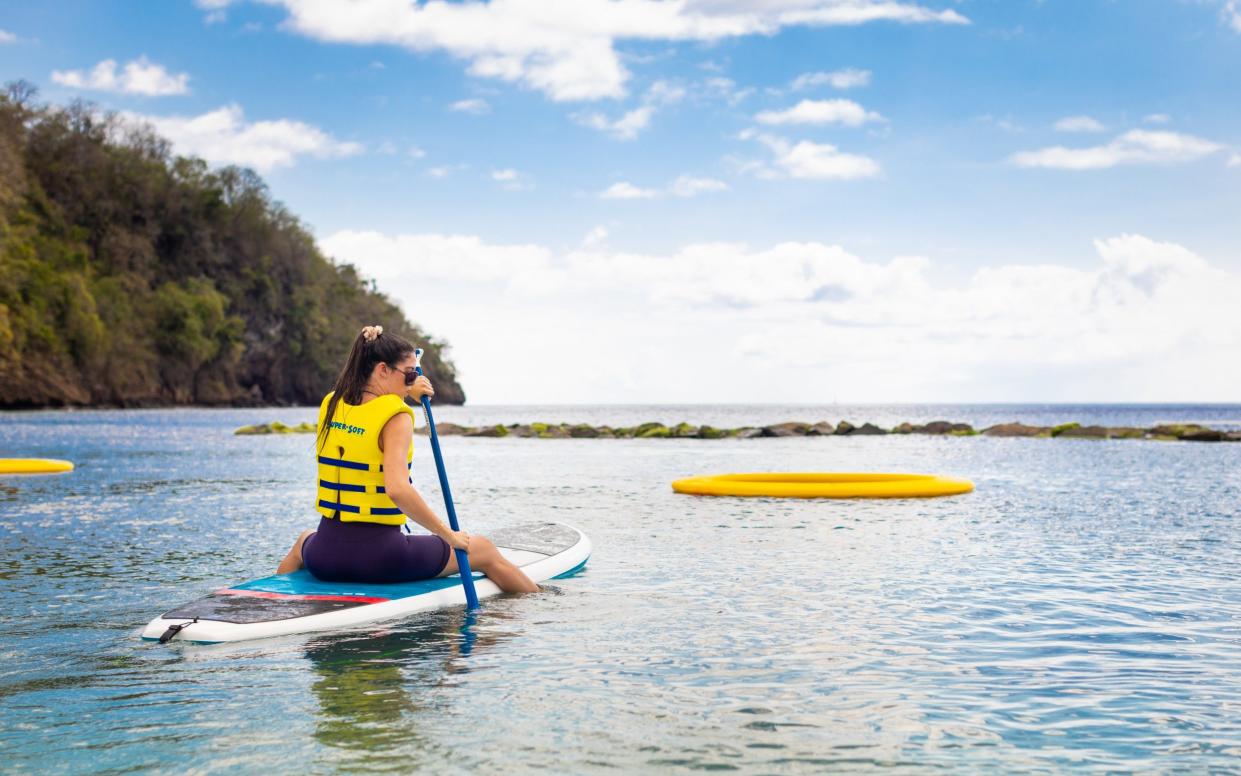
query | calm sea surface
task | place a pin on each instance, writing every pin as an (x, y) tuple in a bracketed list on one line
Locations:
[(1081, 611)]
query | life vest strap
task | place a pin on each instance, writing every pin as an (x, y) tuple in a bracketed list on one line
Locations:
[(358, 465), (353, 510), (347, 488), (342, 463), (339, 507)]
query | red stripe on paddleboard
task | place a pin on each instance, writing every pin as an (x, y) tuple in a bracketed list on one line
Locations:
[(361, 599)]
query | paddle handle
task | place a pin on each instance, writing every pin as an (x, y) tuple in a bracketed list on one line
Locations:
[(463, 559)]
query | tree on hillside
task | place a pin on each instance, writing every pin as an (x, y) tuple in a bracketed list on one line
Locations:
[(131, 276)]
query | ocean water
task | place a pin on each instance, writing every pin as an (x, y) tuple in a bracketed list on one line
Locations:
[(1080, 611)]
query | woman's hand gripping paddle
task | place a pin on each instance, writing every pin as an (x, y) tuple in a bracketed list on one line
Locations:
[(463, 560)]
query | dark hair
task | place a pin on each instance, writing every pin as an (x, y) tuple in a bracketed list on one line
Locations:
[(363, 356)]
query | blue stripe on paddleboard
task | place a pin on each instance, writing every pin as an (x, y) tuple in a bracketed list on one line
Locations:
[(573, 570), (303, 583)]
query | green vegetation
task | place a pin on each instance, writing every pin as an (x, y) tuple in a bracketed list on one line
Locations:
[(129, 276), (275, 427), (1176, 430), (1063, 427)]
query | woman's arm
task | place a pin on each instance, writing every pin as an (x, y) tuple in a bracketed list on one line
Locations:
[(395, 439)]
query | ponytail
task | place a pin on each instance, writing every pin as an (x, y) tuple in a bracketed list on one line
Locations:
[(370, 347)]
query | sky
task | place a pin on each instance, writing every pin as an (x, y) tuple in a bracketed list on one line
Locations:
[(717, 201)]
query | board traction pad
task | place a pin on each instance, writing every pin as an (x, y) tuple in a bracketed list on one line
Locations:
[(547, 538), (287, 596), (223, 607)]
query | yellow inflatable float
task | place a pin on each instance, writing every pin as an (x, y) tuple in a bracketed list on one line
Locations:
[(824, 485), (34, 466)]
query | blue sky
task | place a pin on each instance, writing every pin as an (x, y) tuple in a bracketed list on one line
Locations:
[(848, 194)]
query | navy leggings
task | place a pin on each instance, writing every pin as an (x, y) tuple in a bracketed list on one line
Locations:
[(372, 553)]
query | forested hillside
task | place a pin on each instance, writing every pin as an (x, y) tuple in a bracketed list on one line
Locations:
[(133, 277)]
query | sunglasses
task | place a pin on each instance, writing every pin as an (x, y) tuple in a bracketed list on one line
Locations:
[(411, 375)]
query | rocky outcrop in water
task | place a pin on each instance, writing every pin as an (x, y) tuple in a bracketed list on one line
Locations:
[(1182, 432)]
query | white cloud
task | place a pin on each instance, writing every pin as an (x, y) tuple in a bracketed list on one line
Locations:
[(849, 78), (1004, 123), (726, 88), (1234, 160), (7, 37), (215, 10), (689, 186), (567, 49), (459, 258), (846, 112), (1156, 118), (141, 76), (632, 122), (684, 186), (476, 106), (862, 329), (223, 136), (416, 153), (808, 160), (1079, 124), (595, 237), (626, 190), (847, 12), (626, 127), (511, 180), (445, 170), (1137, 146), (1232, 14), (664, 93)]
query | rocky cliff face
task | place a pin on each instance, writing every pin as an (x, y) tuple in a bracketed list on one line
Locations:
[(130, 277)]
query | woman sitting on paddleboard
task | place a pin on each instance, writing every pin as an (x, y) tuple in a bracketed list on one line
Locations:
[(365, 450)]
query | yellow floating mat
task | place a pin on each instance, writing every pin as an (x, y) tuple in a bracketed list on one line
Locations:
[(34, 466), (824, 485)]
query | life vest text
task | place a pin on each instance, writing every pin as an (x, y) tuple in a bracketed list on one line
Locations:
[(346, 428)]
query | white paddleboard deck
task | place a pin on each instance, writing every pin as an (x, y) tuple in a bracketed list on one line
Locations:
[(298, 603)]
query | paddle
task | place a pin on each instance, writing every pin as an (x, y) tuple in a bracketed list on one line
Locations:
[(463, 560)]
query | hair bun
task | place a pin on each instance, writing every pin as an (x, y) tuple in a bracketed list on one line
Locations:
[(369, 333)]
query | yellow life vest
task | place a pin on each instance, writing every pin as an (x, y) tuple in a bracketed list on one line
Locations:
[(351, 472)]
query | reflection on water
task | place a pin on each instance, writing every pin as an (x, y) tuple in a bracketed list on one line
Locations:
[(374, 687), (1078, 611)]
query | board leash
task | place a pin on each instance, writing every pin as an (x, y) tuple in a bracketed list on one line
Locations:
[(173, 630)]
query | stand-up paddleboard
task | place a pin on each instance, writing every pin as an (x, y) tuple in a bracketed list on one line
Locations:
[(298, 603)]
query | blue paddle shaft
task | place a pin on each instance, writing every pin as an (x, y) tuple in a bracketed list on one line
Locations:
[(463, 560)]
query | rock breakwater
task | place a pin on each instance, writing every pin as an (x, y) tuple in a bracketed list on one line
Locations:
[(1182, 432)]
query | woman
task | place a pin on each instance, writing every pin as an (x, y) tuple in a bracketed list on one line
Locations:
[(365, 450)]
